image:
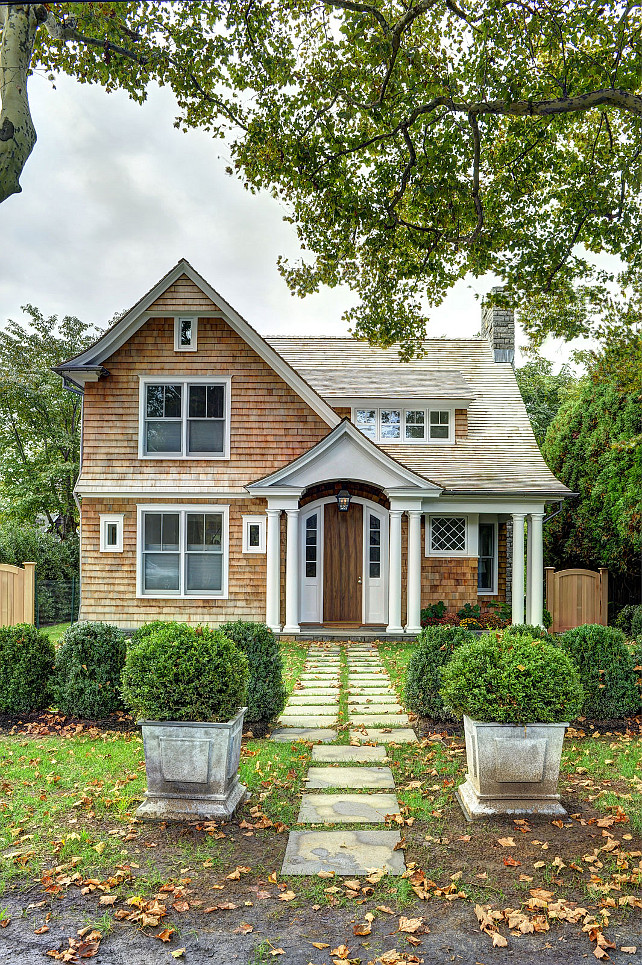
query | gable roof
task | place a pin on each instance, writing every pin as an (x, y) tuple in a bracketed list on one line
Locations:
[(88, 365), (345, 453)]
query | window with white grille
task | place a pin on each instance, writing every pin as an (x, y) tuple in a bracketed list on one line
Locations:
[(448, 535)]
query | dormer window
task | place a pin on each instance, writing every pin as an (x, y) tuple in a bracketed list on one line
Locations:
[(416, 425), (185, 330)]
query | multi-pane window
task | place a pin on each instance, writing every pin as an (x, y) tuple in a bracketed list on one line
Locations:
[(487, 550), (439, 424), (182, 553), (374, 547), (311, 545), (404, 425), (448, 534), (185, 334), (185, 419), (415, 424)]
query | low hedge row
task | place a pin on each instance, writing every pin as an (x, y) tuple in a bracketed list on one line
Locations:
[(182, 671), (610, 672)]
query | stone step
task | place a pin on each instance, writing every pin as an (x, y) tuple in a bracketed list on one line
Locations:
[(371, 720), (347, 808), (379, 778), (370, 691), (384, 698), (316, 710), (346, 754), (343, 852), (315, 735), (307, 720), (375, 709), (317, 692), (380, 735), (298, 699)]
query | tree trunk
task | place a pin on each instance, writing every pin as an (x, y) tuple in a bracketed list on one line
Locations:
[(19, 23)]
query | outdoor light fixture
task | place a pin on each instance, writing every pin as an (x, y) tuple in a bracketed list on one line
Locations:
[(343, 500)]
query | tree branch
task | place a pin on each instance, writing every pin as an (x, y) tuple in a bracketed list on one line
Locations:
[(66, 31)]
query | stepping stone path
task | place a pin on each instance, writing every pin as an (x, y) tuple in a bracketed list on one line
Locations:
[(311, 714)]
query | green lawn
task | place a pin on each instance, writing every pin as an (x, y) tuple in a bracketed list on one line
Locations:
[(55, 631)]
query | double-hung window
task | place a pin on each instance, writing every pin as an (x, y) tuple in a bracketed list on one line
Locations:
[(183, 551), (182, 418), (487, 559)]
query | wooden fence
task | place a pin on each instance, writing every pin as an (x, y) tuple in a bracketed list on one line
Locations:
[(17, 594), (574, 597)]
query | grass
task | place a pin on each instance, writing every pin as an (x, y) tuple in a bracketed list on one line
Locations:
[(55, 631)]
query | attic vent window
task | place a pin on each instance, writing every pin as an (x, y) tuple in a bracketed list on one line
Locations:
[(185, 333)]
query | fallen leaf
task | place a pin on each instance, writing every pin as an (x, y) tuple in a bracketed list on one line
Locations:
[(410, 925), (320, 944), (244, 928), (363, 929), (41, 930), (499, 940), (629, 949), (506, 842), (341, 951), (165, 934), (287, 896), (178, 953), (511, 863)]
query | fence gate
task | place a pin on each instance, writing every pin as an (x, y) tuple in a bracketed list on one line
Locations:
[(574, 597), (17, 586)]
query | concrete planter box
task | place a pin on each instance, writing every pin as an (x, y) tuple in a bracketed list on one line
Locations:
[(512, 769), (192, 769)]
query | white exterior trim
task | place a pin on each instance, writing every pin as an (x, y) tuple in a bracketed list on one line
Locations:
[(142, 508), (184, 380), (129, 324), (105, 520), (259, 521), (403, 408), (471, 532), (155, 492), (193, 345)]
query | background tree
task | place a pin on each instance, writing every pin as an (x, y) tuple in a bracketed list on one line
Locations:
[(543, 391), (39, 420), (411, 143)]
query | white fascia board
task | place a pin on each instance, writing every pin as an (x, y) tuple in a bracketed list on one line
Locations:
[(94, 492), (507, 505), (138, 315), (330, 441)]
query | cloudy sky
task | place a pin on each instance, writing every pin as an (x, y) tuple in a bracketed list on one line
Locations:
[(113, 195)]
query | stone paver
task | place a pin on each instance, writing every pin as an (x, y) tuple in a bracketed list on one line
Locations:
[(379, 735), (346, 754), (347, 808), (316, 710), (325, 699), (344, 852), (375, 709), (371, 720), (307, 720), (383, 698), (369, 691), (313, 734), (316, 691), (378, 778)]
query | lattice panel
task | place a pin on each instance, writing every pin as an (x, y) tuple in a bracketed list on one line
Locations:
[(448, 534)]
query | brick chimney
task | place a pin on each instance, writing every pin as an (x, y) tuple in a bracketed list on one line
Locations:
[(498, 326)]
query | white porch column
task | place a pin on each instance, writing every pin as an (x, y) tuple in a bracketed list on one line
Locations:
[(518, 569), (536, 576), (394, 573), (529, 568), (292, 564), (413, 624), (273, 567)]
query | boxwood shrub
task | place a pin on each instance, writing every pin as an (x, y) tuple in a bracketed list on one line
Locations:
[(180, 672), (624, 619), (26, 666), (89, 662), (605, 665), (435, 647), (266, 694), (636, 622), (512, 680), (519, 629)]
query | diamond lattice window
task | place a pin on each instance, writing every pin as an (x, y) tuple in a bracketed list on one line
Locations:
[(448, 534)]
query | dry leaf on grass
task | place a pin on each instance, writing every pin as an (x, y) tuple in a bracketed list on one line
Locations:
[(506, 842)]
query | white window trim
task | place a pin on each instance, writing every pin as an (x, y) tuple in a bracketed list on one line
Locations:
[(492, 521), (145, 380), (254, 521), (182, 508), (427, 441), (192, 347), (105, 519), (471, 536)]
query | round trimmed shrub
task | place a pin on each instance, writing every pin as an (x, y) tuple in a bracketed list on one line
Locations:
[(512, 680), (605, 665), (636, 622), (636, 656), (266, 694), (89, 662), (435, 647), (26, 662), (179, 672), (624, 619)]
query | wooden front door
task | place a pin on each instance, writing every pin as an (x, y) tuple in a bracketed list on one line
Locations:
[(342, 564)]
